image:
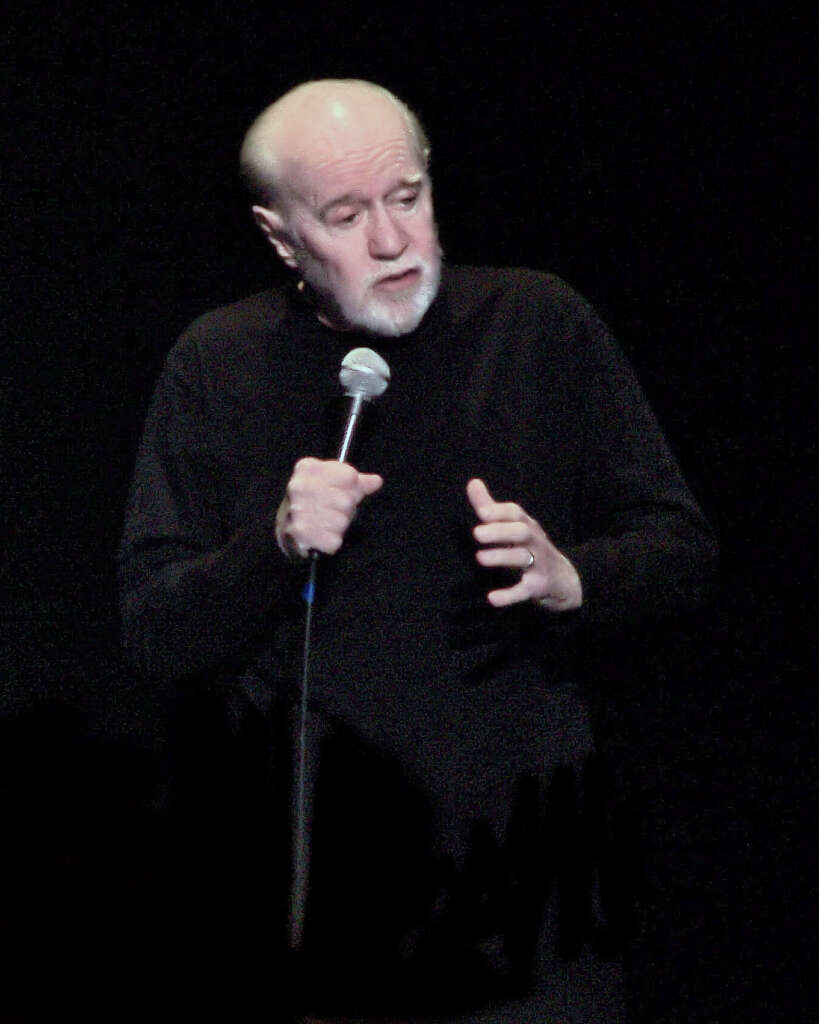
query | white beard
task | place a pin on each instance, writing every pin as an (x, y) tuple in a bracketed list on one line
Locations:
[(393, 317), (387, 315)]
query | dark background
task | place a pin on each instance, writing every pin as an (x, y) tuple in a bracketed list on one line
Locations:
[(659, 162)]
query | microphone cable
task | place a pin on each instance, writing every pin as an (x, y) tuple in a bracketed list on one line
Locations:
[(298, 898), (364, 375)]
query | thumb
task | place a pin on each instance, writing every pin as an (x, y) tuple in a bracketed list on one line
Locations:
[(370, 482), (478, 494)]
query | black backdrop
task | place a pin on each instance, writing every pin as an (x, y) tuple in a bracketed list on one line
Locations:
[(660, 162)]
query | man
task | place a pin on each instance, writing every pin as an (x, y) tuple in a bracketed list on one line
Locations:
[(514, 492), (352, 214)]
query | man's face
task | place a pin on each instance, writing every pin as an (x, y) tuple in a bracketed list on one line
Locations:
[(359, 212)]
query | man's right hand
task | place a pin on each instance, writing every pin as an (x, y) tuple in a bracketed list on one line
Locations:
[(319, 504)]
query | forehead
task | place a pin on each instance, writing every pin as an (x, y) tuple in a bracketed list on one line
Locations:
[(342, 152)]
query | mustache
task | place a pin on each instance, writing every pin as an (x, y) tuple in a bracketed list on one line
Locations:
[(425, 266)]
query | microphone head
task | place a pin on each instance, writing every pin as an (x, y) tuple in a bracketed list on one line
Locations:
[(363, 372)]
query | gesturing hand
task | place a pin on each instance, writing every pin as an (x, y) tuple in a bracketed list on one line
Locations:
[(319, 504), (513, 540)]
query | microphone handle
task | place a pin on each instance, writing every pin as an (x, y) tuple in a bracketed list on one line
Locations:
[(356, 406), (357, 400)]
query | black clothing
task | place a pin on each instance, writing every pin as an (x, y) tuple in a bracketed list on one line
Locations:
[(510, 377), (447, 715)]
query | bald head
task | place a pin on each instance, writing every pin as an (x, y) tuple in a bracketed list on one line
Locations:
[(338, 169), (311, 123)]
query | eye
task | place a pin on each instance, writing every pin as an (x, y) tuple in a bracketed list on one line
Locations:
[(347, 219), (406, 200)]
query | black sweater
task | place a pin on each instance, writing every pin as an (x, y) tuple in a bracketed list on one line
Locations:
[(512, 378)]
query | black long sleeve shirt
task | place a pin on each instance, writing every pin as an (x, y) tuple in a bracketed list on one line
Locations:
[(511, 377)]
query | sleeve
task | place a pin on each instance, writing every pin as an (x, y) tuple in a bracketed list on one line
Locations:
[(645, 549), (191, 595)]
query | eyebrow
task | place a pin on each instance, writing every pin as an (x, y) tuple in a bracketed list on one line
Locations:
[(350, 198)]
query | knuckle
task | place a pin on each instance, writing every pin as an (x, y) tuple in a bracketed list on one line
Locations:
[(517, 533), (297, 496), (298, 538)]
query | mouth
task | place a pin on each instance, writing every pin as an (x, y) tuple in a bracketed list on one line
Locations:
[(399, 282)]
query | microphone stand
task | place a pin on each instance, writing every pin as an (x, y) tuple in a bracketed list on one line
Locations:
[(304, 786)]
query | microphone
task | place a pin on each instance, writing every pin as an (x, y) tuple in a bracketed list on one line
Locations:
[(364, 375)]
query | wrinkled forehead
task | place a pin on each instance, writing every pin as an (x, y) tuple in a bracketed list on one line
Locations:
[(347, 151)]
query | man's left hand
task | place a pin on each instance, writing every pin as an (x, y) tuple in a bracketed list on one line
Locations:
[(513, 540)]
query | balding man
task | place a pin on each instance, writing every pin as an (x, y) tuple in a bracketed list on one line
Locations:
[(510, 492)]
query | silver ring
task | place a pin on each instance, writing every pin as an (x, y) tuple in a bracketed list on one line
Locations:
[(530, 563)]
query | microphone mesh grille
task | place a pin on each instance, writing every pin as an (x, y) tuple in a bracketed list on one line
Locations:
[(364, 372)]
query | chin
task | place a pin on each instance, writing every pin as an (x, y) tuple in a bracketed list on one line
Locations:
[(391, 319), (387, 323)]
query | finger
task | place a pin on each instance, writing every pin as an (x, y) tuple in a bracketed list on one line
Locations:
[(489, 510), (509, 595), (502, 511), (326, 541), (478, 494), (332, 520), (331, 483), (328, 471), (518, 558), (314, 502), (370, 482), (502, 532)]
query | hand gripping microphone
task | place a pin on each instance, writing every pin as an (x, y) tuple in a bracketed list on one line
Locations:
[(364, 376)]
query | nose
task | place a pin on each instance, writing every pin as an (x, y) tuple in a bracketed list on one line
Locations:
[(386, 240)]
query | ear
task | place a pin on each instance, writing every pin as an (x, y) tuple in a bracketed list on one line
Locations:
[(274, 227)]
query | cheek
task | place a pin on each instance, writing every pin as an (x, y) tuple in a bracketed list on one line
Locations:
[(350, 268), (341, 262), (426, 235)]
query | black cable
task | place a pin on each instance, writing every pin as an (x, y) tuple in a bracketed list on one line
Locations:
[(300, 869)]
